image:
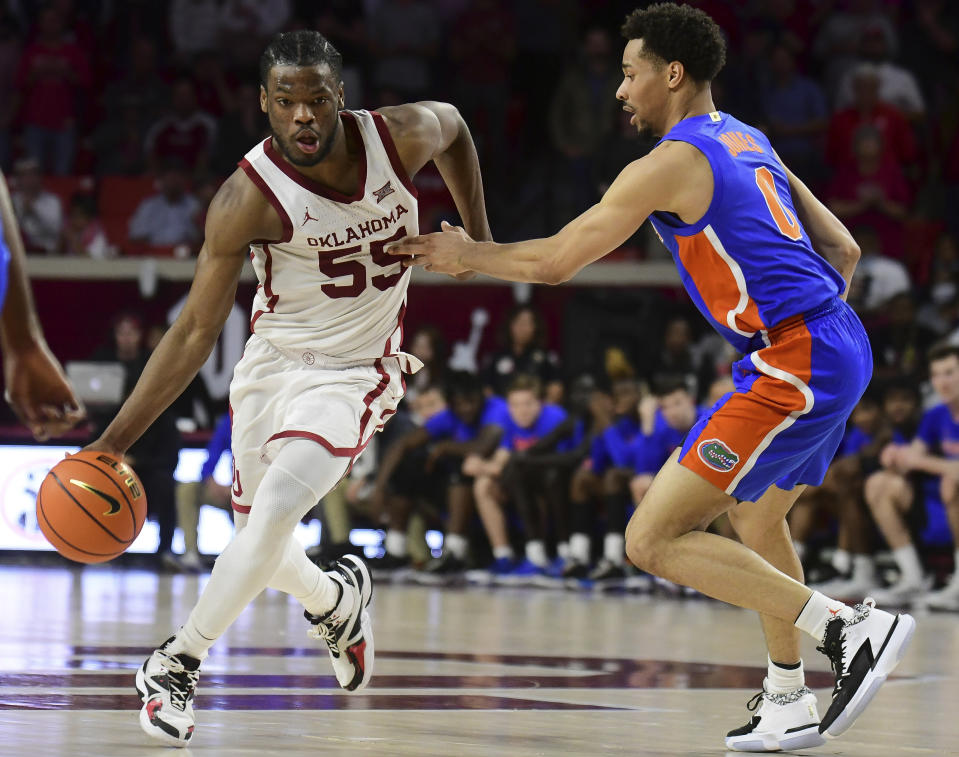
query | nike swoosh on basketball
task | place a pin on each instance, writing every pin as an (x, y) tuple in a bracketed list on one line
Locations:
[(112, 501)]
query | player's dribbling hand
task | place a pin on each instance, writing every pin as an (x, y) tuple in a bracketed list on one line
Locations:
[(39, 393), (439, 252)]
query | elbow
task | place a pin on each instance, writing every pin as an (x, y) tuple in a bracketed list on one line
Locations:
[(851, 252), (553, 272)]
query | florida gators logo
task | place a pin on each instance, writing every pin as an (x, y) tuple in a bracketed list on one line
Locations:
[(717, 455)]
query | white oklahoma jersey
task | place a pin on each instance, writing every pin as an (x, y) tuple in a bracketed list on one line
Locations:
[(324, 361)]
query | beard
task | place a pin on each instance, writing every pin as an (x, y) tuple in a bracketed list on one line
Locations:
[(646, 131), (302, 159)]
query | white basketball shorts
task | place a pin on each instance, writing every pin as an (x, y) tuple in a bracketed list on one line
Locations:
[(277, 395)]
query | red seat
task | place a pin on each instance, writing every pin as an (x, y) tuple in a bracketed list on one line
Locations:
[(119, 197)]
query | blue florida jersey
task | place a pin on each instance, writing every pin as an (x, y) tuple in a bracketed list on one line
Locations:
[(747, 263)]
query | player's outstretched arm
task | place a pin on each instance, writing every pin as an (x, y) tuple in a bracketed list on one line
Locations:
[(36, 388), (829, 237), (645, 185), (234, 219), (436, 131)]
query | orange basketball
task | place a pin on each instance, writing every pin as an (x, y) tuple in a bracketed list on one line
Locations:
[(91, 507)]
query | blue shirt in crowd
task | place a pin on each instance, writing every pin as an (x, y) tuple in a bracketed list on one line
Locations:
[(651, 452), (940, 432), (517, 439), (447, 425), (613, 447), (219, 443)]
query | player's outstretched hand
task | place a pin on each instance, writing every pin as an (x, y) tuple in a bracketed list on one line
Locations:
[(39, 393), (440, 252)]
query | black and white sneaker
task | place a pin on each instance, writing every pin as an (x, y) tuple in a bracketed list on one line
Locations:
[(346, 628), (166, 684), (782, 722), (863, 650)]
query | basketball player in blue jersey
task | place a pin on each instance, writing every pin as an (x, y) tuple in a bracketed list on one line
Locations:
[(768, 265), (36, 387), (314, 206)]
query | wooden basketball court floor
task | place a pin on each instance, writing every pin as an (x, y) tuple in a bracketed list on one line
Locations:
[(459, 673)]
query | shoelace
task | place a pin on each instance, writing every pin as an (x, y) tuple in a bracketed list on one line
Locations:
[(833, 646), (182, 681), (780, 699)]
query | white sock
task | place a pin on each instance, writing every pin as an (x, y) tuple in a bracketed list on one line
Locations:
[(188, 640), (500, 553), (863, 569), (579, 548), (300, 577), (800, 547), (536, 553), (841, 561), (396, 543), (456, 544), (614, 548), (562, 550), (780, 680), (910, 569), (817, 612)]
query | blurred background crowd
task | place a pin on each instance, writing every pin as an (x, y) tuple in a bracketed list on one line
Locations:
[(119, 120)]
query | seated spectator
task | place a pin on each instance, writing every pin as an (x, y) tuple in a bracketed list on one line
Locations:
[(679, 357), (241, 127), (186, 133), (428, 462), (53, 76), (838, 497), (139, 83), (583, 113), (170, 216), (498, 480), (894, 421), (877, 278), (897, 85), (83, 233), (677, 414), (429, 346), (872, 192), (156, 453), (901, 515), (898, 140), (900, 341), (523, 339), (118, 141), (38, 211), (795, 110), (605, 478), (192, 495)]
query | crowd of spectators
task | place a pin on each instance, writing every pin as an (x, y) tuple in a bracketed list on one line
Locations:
[(120, 120)]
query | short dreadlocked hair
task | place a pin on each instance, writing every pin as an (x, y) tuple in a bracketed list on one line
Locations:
[(682, 33), (300, 48)]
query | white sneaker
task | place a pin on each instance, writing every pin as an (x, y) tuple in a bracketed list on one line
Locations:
[(346, 628), (947, 598), (166, 683), (783, 721), (863, 649)]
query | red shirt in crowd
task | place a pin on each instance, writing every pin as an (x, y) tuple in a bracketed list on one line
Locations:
[(898, 139), (50, 78), (851, 185)]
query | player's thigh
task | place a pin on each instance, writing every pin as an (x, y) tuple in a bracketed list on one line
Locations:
[(887, 486), (678, 501)]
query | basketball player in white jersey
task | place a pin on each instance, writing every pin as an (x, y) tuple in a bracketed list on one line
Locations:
[(314, 205)]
